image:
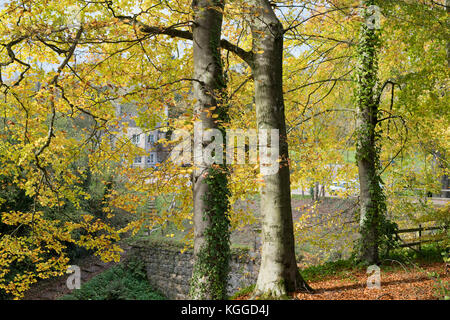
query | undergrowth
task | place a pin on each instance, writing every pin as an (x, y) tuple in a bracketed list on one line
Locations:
[(126, 281)]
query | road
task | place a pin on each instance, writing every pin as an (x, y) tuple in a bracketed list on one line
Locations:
[(438, 202)]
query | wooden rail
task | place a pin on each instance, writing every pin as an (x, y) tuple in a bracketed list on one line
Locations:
[(420, 229)]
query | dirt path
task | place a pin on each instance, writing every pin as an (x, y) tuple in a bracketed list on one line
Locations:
[(54, 288)]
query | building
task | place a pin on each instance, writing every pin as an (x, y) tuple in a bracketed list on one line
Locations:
[(144, 139)]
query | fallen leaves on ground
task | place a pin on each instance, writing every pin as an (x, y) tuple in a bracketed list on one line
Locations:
[(411, 283)]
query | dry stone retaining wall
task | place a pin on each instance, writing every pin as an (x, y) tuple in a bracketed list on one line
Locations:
[(169, 270)]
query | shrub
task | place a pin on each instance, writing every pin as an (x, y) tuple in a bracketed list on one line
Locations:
[(126, 281)]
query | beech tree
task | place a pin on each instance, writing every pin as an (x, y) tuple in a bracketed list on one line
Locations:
[(209, 182), (210, 193), (372, 202), (278, 274), (270, 65)]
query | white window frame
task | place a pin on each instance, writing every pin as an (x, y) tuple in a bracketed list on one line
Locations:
[(135, 138), (151, 159), (151, 139)]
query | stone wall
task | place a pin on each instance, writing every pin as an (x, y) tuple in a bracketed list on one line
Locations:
[(169, 269)]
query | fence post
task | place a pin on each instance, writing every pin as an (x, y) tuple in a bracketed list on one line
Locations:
[(420, 237)]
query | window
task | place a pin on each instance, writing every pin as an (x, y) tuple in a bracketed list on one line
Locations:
[(135, 139), (138, 160), (151, 159), (151, 139)]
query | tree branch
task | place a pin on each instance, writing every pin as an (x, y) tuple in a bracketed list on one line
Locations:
[(173, 32)]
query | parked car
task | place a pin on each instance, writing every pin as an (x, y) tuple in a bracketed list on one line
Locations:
[(338, 187)]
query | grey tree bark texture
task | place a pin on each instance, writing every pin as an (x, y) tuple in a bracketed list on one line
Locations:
[(278, 273), (211, 222), (443, 160)]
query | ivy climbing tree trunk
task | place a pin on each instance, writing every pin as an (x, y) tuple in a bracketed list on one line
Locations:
[(211, 221), (278, 274), (372, 202)]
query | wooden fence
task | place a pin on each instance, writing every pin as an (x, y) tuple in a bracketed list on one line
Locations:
[(419, 240)]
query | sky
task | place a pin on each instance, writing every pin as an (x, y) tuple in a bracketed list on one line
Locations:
[(182, 45)]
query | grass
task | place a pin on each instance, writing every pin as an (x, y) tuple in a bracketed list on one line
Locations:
[(243, 292), (126, 281), (428, 253), (300, 197), (328, 269)]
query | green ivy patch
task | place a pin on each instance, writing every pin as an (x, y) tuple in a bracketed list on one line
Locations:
[(126, 281)]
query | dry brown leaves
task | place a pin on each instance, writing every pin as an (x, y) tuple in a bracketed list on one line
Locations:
[(402, 284)]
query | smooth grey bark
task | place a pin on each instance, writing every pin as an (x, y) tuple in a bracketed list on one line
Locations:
[(210, 248), (447, 7), (441, 161), (317, 191), (445, 181), (278, 273)]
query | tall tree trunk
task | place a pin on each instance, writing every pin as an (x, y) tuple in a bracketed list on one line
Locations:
[(317, 190), (445, 181), (371, 195), (441, 161), (447, 6), (211, 221), (278, 274)]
